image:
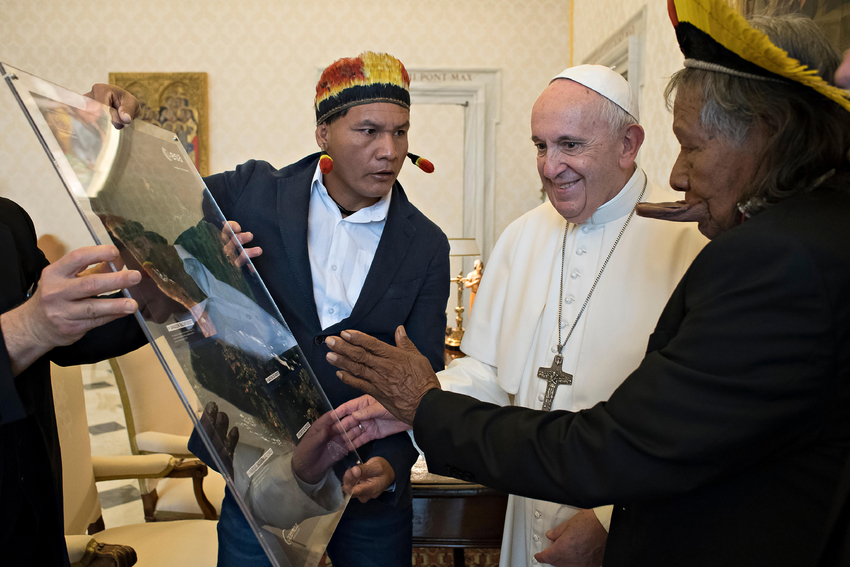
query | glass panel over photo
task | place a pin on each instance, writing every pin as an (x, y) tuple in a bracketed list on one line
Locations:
[(267, 424)]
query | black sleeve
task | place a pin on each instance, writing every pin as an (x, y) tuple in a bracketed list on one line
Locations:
[(747, 370), (21, 263), (11, 405), (113, 339), (426, 324)]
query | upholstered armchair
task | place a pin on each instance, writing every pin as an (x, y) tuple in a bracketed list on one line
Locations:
[(157, 422), (177, 543)]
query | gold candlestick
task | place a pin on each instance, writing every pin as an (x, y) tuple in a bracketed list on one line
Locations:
[(459, 247), (456, 335)]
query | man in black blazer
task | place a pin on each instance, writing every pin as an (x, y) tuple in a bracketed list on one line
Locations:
[(727, 445), (362, 131), (47, 313)]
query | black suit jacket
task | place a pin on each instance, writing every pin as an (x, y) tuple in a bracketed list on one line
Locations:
[(31, 521), (406, 284), (726, 445)]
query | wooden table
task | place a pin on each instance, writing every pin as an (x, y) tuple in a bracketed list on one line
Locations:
[(448, 512)]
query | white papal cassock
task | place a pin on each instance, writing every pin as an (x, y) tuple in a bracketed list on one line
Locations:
[(513, 328)]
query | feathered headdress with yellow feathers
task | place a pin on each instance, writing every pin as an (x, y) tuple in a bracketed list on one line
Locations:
[(368, 78), (715, 37)]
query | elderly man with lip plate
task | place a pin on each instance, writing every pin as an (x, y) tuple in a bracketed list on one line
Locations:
[(727, 444)]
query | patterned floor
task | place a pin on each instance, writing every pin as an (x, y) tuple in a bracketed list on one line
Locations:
[(119, 499), (444, 557)]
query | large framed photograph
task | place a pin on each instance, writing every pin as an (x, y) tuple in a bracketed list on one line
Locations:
[(176, 102), (208, 316)]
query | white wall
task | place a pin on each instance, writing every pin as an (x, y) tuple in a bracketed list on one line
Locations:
[(262, 57), (596, 20)]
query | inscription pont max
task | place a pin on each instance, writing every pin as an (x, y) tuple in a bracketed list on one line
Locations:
[(439, 77)]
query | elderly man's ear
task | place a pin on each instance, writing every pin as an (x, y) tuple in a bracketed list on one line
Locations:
[(632, 140)]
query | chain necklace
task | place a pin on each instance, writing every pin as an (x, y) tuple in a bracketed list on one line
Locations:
[(554, 375), (345, 212)]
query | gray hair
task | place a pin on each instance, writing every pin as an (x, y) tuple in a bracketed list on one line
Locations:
[(612, 114), (808, 134)]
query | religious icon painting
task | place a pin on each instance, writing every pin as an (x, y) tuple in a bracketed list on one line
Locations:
[(176, 102)]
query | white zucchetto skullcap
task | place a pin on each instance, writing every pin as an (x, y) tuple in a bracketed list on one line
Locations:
[(606, 82)]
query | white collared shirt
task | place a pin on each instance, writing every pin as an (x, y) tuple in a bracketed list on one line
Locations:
[(341, 250)]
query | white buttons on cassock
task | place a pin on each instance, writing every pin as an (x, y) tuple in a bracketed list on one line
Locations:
[(554, 349), (585, 229), (540, 398), (333, 267), (537, 513), (581, 251), (331, 310), (563, 324), (575, 275), (569, 299), (536, 537)]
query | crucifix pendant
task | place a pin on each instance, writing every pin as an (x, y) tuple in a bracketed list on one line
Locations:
[(554, 377)]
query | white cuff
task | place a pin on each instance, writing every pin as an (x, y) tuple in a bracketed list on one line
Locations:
[(603, 514)]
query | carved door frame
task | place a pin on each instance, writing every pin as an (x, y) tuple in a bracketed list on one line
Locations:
[(478, 91)]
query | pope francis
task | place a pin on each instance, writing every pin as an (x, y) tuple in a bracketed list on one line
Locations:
[(572, 290)]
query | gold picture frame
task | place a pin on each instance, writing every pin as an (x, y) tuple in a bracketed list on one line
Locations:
[(177, 102)]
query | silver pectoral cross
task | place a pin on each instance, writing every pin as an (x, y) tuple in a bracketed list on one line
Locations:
[(554, 377)]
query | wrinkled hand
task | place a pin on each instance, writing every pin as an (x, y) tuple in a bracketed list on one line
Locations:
[(122, 105), (322, 446), (578, 542), (398, 377), (364, 419), (215, 424), (234, 241), (369, 480)]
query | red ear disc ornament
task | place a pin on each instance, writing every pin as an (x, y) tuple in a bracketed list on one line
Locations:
[(421, 163), (326, 164)]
